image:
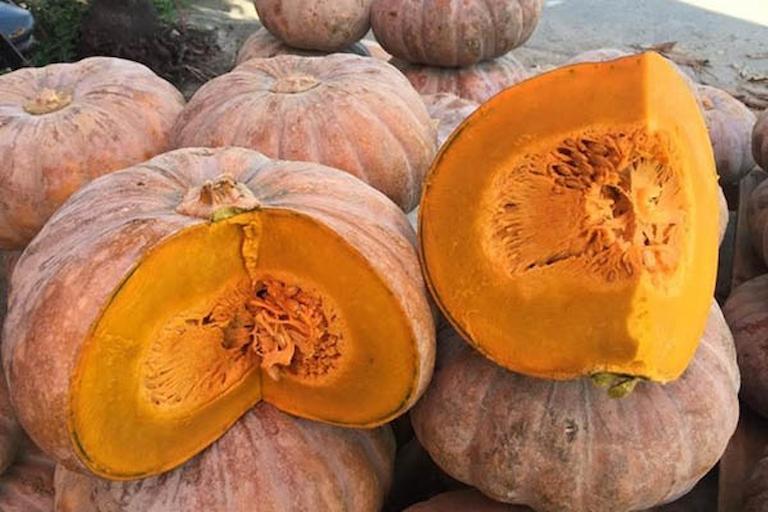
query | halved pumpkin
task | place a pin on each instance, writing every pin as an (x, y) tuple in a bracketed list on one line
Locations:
[(570, 226), (165, 300)]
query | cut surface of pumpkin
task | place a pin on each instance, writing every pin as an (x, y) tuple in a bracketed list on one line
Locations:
[(587, 239), (208, 281)]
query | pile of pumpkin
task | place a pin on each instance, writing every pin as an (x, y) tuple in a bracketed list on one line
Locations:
[(221, 304)]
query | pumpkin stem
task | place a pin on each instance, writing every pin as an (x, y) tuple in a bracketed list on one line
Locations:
[(218, 200), (295, 84), (49, 100), (618, 385)]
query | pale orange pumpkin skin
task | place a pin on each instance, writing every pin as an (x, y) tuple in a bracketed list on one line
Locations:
[(730, 125), (453, 33), (136, 211), (567, 446), (27, 486), (324, 25), (449, 111), (268, 461), (760, 140), (120, 114), (476, 83), (263, 45), (352, 113), (746, 311)]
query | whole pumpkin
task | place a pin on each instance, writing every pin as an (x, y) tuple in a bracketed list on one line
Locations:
[(760, 140), (263, 45), (730, 125), (65, 124), (566, 446), (746, 311), (352, 113), (268, 461), (28, 485), (324, 25), (476, 83), (449, 111), (453, 34), (208, 280)]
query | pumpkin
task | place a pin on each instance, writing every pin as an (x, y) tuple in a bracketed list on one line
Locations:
[(263, 45), (465, 500), (209, 280), (597, 55), (602, 206), (756, 490), (376, 51), (65, 124), (730, 125), (476, 83), (324, 25), (453, 34), (760, 140), (724, 214), (268, 461), (746, 311), (28, 485), (449, 111), (10, 432), (314, 109), (757, 218), (566, 446)]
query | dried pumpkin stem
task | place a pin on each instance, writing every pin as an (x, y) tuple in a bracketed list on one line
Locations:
[(48, 101), (218, 199), (295, 84), (618, 385)]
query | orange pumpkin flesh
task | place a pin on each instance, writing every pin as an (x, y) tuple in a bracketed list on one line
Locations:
[(261, 293), (588, 225)]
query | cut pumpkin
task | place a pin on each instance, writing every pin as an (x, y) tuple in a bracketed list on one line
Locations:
[(587, 238), (260, 284)]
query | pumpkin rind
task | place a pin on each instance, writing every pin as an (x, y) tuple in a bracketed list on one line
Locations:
[(568, 215), (268, 458), (746, 311), (730, 125), (476, 83), (105, 114), (263, 45), (100, 240), (453, 33), (757, 219), (449, 111), (566, 446), (28, 485), (760, 140), (312, 109), (324, 25)]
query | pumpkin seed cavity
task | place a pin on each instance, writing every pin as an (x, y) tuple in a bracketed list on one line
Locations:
[(607, 203)]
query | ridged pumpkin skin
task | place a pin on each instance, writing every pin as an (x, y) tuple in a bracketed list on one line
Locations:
[(263, 45), (730, 125), (746, 311), (476, 83), (453, 33), (760, 140), (566, 446), (324, 25), (314, 109), (28, 485), (467, 500), (90, 118), (449, 111), (757, 219), (105, 237), (268, 461)]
